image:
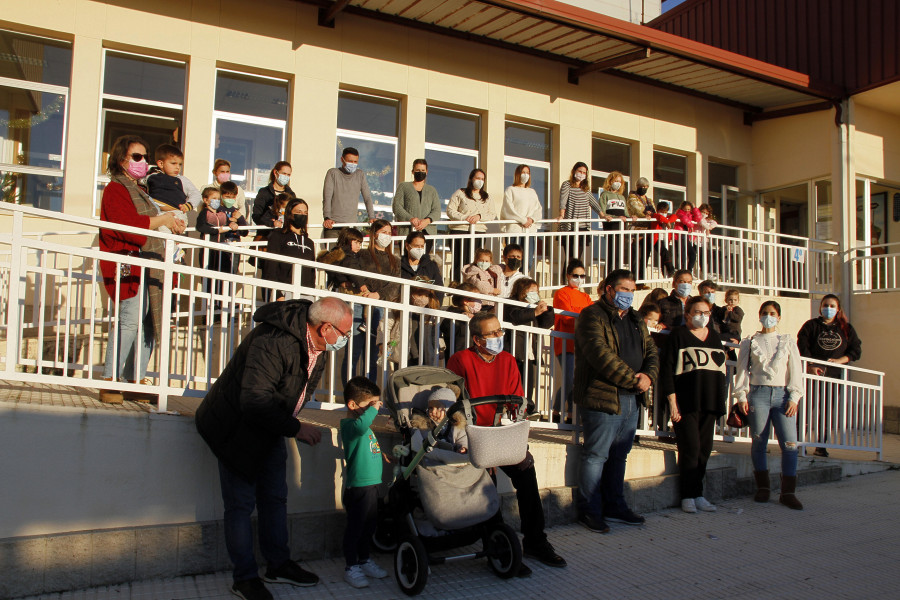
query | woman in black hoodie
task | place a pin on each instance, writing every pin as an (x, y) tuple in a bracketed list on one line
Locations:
[(416, 263), (291, 240)]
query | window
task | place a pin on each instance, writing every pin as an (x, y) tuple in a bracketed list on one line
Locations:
[(249, 125), (451, 149), (371, 124), (34, 92), (721, 175), (141, 95), (529, 145), (608, 156), (669, 178)]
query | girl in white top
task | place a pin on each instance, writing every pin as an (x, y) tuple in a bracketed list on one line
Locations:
[(521, 204), (769, 386)]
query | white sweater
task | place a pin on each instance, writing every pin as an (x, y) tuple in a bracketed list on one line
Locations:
[(519, 203), (768, 359)]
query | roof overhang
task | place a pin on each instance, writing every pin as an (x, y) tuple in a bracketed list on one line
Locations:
[(590, 42)]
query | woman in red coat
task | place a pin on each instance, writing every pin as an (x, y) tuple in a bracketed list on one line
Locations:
[(125, 203)]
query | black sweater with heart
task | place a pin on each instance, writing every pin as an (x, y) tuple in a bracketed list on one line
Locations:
[(694, 370)]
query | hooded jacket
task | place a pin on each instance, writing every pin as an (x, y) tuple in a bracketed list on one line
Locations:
[(250, 406), (599, 371), (427, 269)]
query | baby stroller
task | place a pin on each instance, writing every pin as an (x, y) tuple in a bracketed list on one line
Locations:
[(452, 491)]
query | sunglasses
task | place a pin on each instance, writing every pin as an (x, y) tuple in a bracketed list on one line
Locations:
[(137, 157)]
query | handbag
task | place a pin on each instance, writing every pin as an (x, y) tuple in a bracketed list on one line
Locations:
[(736, 417)]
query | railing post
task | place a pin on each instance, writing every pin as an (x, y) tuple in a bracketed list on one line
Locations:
[(165, 342), (16, 295)]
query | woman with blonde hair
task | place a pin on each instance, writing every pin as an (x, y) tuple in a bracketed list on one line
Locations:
[(613, 204)]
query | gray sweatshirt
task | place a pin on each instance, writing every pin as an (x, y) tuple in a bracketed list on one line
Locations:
[(340, 195)]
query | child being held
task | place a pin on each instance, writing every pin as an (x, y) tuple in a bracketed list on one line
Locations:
[(484, 275), (165, 186), (454, 434), (364, 473), (730, 316)]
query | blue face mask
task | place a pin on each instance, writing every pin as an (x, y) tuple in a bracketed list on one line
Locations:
[(532, 297), (215, 203), (623, 300), (351, 167), (338, 343), (769, 321), (829, 312), (711, 296), (494, 345), (683, 290)]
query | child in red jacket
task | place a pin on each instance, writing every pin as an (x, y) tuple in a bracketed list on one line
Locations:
[(663, 220)]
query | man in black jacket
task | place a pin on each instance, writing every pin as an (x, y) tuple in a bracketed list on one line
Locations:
[(244, 419)]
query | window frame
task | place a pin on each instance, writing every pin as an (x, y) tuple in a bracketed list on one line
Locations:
[(467, 152), (531, 162), (671, 186)]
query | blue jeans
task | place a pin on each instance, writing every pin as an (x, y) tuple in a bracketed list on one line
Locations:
[(767, 406), (268, 494), (607, 442), (122, 363)]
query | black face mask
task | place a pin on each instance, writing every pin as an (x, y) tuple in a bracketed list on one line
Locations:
[(514, 263), (299, 221), (420, 175), (641, 191)]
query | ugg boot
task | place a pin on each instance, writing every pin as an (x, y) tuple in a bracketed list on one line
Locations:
[(762, 486), (787, 497)]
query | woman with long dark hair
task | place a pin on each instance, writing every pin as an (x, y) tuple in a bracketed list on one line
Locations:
[(416, 263), (279, 180), (472, 204), (291, 240), (576, 202)]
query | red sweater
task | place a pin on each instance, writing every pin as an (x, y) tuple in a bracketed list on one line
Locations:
[(499, 377), (573, 300), (117, 207)]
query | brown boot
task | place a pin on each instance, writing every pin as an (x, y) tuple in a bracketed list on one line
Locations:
[(762, 486), (111, 396), (787, 497)]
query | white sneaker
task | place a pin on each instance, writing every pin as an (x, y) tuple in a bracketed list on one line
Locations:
[(373, 570), (688, 505), (704, 504), (355, 577)]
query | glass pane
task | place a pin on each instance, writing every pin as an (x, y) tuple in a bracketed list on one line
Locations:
[(448, 172), (369, 114), (540, 181), (451, 128), (675, 197), (35, 59), (137, 77), (824, 215), (610, 156), (247, 95), (252, 151), (378, 160), (884, 199), (720, 175), (31, 127), (525, 141), (155, 129), (40, 191), (669, 168), (790, 209)]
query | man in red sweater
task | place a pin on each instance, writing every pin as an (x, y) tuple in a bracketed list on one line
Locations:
[(489, 371)]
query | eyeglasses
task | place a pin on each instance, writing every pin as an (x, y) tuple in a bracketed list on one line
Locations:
[(703, 314), (137, 157), (493, 334), (343, 334)]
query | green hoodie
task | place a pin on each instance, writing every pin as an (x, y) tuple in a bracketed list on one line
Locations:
[(361, 450)]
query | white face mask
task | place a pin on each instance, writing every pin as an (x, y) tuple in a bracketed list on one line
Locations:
[(383, 240), (616, 185), (699, 321), (580, 177), (484, 265), (283, 179), (416, 253), (769, 321), (478, 183), (532, 297), (524, 177), (576, 281)]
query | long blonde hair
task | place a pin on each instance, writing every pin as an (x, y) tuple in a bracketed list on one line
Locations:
[(607, 184)]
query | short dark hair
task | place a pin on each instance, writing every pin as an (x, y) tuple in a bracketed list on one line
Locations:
[(420, 161), (648, 308), (229, 187), (413, 235), (681, 272), (164, 151), (616, 277), (689, 304), (575, 263), (208, 190), (349, 150), (119, 152), (460, 296), (511, 247), (709, 283), (478, 319), (771, 303), (360, 388)]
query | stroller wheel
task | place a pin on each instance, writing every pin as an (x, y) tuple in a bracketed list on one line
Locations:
[(504, 550), (385, 537), (411, 565)]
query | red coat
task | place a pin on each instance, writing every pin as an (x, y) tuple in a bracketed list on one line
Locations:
[(499, 377), (662, 222), (117, 207)]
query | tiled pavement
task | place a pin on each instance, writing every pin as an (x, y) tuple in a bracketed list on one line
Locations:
[(844, 545)]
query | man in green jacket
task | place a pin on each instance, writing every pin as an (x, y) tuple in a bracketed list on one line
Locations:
[(616, 362)]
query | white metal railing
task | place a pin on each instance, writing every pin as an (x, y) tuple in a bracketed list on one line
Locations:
[(876, 268), (59, 318)]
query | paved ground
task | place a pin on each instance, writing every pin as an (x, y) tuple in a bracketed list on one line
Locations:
[(844, 545)]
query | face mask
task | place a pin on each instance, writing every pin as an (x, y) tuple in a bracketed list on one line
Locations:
[(683, 290), (493, 345), (475, 307), (299, 221), (579, 177), (641, 191), (228, 202), (283, 180), (416, 253), (524, 177), (383, 240), (215, 203), (699, 321), (337, 345), (420, 176), (478, 183), (223, 177), (769, 321), (420, 301), (623, 300), (616, 185), (137, 169), (829, 312), (711, 296), (532, 297), (484, 265), (351, 167), (514, 263), (576, 281)]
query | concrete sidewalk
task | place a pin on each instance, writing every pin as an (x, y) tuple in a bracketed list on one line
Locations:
[(843, 545)]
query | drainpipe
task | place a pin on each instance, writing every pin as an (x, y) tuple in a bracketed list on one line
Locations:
[(844, 204)]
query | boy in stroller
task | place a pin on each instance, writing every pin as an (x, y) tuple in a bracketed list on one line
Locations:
[(454, 433)]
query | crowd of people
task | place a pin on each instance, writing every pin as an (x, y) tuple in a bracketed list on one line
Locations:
[(619, 359)]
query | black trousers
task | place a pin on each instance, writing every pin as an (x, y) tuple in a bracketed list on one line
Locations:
[(361, 504), (694, 436), (528, 497)]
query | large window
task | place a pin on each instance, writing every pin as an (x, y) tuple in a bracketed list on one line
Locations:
[(34, 91), (141, 95), (608, 156), (529, 145), (250, 121), (669, 178), (721, 176), (451, 149), (371, 124)]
